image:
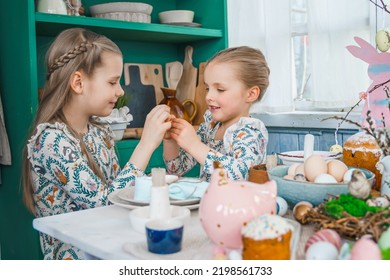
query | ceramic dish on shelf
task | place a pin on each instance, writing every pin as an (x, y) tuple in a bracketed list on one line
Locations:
[(126, 16), (114, 199), (113, 7), (189, 24), (291, 157)]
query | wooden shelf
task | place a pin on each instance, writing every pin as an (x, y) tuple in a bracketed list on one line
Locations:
[(51, 25)]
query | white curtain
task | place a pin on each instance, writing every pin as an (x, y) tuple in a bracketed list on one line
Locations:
[(337, 76), (265, 24)]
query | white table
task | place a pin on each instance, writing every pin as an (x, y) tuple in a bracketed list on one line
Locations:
[(100, 232)]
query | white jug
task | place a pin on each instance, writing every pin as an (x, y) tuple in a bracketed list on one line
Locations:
[(52, 7)]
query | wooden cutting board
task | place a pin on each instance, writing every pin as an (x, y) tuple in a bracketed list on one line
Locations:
[(200, 96), (142, 97), (151, 74), (187, 83)]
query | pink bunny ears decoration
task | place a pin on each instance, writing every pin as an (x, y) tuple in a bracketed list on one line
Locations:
[(378, 93)]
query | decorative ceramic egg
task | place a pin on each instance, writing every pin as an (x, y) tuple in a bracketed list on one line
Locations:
[(382, 39), (328, 235), (301, 209), (322, 250), (365, 249), (378, 201), (281, 206), (384, 240), (336, 148)]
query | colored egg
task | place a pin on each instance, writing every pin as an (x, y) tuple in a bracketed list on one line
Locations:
[(365, 249), (322, 250), (281, 206), (345, 251), (328, 235), (378, 201), (300, 211), (336, 148), (384, 240)]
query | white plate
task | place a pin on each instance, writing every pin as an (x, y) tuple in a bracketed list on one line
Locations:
[(127, 194), (288, 158), (114, 199)]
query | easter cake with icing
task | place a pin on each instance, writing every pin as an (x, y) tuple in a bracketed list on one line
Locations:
[(267, 237)]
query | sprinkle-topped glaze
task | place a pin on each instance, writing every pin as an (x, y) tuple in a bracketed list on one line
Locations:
[(266, 226)]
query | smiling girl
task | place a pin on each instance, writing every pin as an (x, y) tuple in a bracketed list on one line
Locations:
[(235, 78)]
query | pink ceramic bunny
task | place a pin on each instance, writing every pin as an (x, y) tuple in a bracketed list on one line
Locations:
[(379, 71), (228, 205)]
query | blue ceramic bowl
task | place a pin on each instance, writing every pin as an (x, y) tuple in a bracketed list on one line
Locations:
[(315, 193), (164, 236)]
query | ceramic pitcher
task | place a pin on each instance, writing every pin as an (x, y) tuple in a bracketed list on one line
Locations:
[(228, 205), (384, 168), (178, 109)]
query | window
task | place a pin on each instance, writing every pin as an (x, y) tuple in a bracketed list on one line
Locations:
[(305, 46)]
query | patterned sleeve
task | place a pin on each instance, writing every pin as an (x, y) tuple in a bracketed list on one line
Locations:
[(57, 161), (245, 145)]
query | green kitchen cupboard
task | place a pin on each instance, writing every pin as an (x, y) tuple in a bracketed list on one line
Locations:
[(25, 37)]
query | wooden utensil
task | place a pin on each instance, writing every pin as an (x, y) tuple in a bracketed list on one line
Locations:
[(173, 72), (150, 74), (187, 84), (142, 97), (200, 96)]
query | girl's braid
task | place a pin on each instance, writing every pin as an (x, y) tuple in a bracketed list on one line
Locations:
[(64, 59)]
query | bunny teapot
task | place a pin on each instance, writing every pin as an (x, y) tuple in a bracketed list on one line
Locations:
[(228, 205)]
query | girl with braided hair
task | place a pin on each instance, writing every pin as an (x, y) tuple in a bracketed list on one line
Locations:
[(70, 162)]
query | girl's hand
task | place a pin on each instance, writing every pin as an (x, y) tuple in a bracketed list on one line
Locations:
[(156, 124), (184, 134)]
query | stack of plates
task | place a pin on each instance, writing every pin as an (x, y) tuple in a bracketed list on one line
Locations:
[(125, 198), (125, 11)]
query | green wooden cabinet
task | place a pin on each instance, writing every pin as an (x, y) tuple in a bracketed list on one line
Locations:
[(26, 36)]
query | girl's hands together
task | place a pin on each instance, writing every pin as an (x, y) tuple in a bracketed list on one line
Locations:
[(156, 124), (183, 133)]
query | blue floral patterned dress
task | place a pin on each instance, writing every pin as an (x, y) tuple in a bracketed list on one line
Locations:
[(243, 146), (63, 181)]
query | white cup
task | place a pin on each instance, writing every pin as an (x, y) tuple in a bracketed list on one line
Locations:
[(52, 7)]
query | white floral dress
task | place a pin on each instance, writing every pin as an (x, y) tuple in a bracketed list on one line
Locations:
[(63, 181), (243, 146)]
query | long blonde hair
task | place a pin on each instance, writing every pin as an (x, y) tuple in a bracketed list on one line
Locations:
[(73, 50), (253, 67)]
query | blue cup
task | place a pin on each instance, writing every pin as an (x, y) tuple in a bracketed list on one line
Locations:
[(164, 236)]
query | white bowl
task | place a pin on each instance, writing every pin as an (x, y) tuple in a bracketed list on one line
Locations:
[(126, 16), (291, 157), (132, 7), (176, 16), (139, 216)]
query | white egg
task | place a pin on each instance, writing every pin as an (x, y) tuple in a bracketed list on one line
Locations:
[(347, 175), (322, 250), (235, 255), (325, 179), (281, 206)]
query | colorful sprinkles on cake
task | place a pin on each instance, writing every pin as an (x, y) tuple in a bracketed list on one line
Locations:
[(266, 226)]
